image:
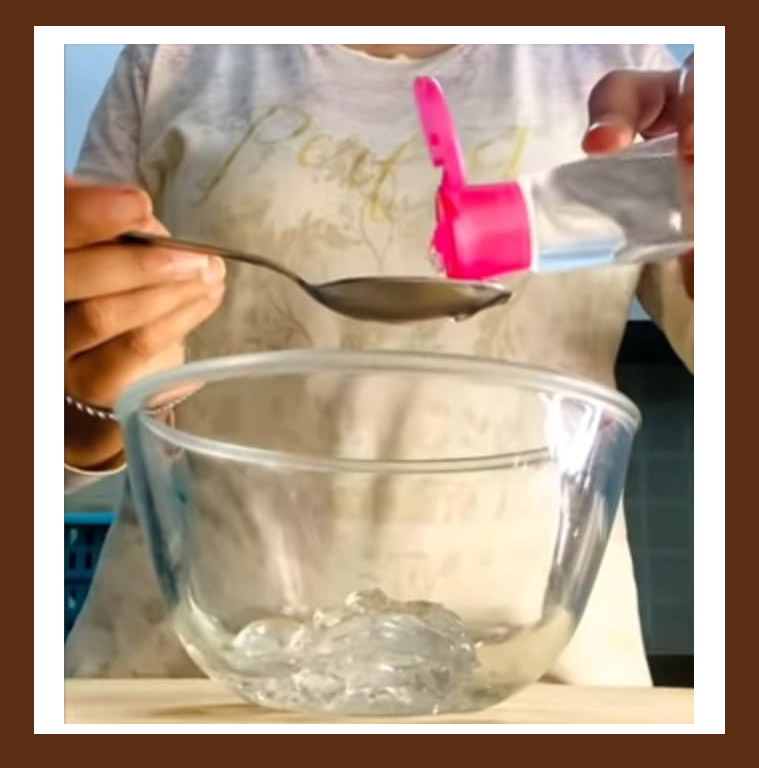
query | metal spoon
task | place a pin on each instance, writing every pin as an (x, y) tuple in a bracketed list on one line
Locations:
[(381, 299)]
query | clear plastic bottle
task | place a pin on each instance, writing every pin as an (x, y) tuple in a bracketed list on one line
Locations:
[(616, 209)]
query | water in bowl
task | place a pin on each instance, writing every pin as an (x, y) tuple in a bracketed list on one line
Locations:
[(372, 655)]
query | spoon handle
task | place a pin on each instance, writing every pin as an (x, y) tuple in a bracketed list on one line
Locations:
[(163, 241)]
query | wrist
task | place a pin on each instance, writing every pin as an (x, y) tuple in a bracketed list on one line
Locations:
[(109, 466), (92, 444)]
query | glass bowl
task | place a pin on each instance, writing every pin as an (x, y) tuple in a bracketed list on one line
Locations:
[(375, 533)]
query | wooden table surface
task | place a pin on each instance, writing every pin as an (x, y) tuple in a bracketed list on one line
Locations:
[(205, 701)]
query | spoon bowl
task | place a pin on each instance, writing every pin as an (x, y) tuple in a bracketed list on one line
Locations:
[(370, 298)]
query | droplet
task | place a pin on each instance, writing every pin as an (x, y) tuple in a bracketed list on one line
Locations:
[(435, 261)]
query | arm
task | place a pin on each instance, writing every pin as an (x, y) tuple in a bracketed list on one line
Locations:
[(666, 290), (653, 99), (109, 155), (127, 309)]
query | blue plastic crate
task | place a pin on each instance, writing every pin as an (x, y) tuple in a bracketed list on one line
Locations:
[(84, 535)]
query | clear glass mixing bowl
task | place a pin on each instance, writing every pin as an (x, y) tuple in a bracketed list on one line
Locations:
[(375, 533)]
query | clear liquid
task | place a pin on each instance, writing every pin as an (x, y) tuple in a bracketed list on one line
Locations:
[(371, 656)]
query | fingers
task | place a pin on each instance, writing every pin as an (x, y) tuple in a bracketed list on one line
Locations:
[(685, 130), (96, 214), (97, 266), (109, 269), (627, 102), (128, 308), (93, 322), (100, 375)]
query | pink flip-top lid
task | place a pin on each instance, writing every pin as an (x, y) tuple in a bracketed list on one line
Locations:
[(482, 230)]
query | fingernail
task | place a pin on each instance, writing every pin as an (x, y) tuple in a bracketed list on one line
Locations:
[(612, 126), (599, 124), (607, 135), (186, 263), (214, 271)]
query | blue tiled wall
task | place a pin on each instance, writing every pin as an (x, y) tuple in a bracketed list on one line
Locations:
[(659, 503)]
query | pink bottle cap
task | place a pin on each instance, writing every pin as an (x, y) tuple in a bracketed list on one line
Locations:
[(482, 230)]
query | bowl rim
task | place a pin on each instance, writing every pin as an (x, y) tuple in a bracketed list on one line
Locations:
[(279, 362)]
